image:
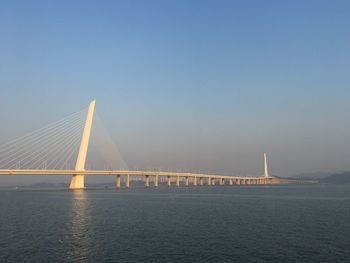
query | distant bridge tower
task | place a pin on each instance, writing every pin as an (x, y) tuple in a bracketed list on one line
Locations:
[(77, 181), (266, 169)]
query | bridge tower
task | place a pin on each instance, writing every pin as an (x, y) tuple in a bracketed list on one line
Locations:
[(266, 170), (77, 181)]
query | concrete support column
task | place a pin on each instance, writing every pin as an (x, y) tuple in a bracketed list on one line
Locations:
[(177, 181), (146, 181), (195, 181), (231, 182), (186, 181), (222, 181), (127, 181), (169, 181), (209, 181), (117, 182), (156, 181), (213, 181), (201, 183)]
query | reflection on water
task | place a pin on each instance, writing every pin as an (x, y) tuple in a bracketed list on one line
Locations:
[(79, 227)]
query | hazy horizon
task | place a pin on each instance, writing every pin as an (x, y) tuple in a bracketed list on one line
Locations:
[(186, 85)]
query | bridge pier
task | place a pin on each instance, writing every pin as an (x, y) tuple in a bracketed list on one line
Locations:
[(146, 181), (201, 183), (77, 182), (195, 181), (231, 182), (209, 181), (156, 181), (168, 181), (186, 181), (127, 181), (222, 181), (117, 182), (213, 181), (177, 181)]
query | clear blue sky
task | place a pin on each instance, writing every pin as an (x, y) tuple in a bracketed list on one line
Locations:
[(200, 85)]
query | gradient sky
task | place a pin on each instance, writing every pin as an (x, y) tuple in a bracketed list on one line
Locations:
[(192, 85)]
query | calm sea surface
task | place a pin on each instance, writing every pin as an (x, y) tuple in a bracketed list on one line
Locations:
[(218, 224)]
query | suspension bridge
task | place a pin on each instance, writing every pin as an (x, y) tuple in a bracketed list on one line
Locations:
[(52, 149)]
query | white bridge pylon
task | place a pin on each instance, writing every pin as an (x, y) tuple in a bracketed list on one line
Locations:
[(266, 169), (77, 181)]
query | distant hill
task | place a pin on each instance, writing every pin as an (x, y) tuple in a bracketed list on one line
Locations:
[(310, 176), (338, 178)]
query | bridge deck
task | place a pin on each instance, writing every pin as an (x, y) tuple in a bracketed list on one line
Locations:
[(123, 172)]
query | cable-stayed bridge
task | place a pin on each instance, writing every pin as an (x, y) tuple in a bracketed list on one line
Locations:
[(55, 148)]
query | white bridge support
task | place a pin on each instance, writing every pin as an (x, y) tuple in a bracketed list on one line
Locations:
[(195, 181), (266, 169), (77, 181)]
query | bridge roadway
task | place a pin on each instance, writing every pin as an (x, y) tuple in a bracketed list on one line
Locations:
[(210, 179)]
